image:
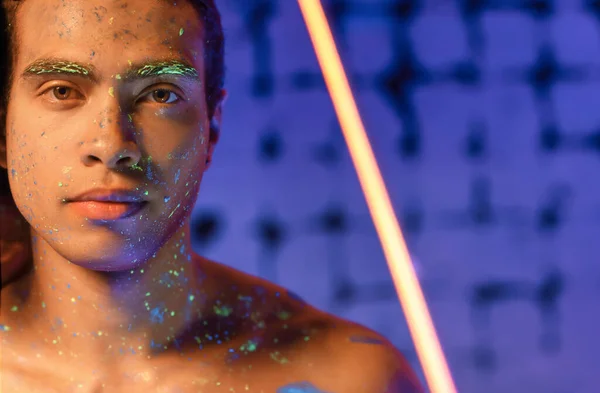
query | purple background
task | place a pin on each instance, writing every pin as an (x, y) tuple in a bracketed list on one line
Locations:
[(484, 117)]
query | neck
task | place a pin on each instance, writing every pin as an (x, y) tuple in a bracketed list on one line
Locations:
[(138, 311)]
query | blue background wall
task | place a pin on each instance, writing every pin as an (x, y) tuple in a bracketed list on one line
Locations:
[(484, 116)]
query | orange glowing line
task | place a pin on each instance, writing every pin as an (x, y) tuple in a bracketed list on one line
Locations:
[(405, 280)]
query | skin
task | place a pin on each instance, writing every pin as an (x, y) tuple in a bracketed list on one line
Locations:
[(127, 306)]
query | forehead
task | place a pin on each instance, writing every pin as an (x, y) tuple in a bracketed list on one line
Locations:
[(110, 33)]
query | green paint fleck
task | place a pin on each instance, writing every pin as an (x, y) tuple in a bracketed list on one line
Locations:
[(250, 346), (181, 32), (191, 298), (60, 184), (283, 315), (118, 76), (147, 293), (173, 212), (223, 311), (14, 308), (278, 357)]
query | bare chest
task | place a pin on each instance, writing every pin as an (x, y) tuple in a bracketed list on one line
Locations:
[(25, 371)]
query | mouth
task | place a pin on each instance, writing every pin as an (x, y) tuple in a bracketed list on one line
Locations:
[(107, 211)]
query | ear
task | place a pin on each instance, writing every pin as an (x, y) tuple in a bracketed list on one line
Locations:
[(215, 128), (215, 121)]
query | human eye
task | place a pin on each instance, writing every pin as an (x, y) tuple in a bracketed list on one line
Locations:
[(162, 96), (61, 93)]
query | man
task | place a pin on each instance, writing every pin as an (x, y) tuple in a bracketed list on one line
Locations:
[(113, 116)]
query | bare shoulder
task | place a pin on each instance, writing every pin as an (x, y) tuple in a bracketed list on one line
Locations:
[(365, 361), (304, 348)]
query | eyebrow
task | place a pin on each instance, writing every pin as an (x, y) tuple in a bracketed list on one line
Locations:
[(136, 71)]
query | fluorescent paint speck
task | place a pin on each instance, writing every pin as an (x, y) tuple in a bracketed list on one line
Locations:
[(223, 311)]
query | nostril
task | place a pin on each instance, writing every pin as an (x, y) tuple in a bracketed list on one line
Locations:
[(125, 161), (92, 159)]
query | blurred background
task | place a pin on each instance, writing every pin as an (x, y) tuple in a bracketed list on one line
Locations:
[(484, 117)]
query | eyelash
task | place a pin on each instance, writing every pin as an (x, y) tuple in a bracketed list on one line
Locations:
[(53, 88)]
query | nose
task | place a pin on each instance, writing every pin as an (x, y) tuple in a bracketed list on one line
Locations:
[(125, 158), (115, 145)]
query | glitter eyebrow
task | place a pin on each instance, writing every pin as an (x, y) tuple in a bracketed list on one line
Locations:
[(135, 71), (55, 66), (169, 67)]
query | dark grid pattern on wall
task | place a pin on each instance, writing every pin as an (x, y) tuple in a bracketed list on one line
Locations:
[(483, 115)]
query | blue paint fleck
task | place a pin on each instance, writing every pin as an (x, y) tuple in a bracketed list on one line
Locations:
[(177, 175), (299, 387), (154, 345), (157, 315), (366, 340)]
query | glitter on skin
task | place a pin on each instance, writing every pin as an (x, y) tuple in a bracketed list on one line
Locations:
[(279, 358), (168, 68), (173, 212), (283, 315), (153, 69), (250, 346), (299, 387), (223, 311), (44, 67)]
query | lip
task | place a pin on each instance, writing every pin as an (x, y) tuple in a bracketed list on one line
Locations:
[(109, 195), (107, 211)]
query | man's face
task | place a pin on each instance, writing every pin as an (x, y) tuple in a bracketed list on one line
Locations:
[(123, 108)]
